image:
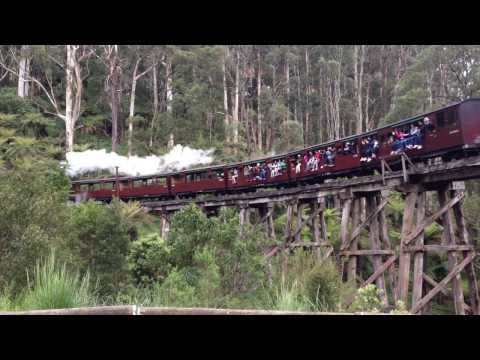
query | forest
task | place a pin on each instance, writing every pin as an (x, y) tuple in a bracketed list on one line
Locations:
[(243, 101)]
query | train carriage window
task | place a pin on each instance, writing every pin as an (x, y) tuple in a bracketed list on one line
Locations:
[(200, 176), (450, 117), (441, 119), (446, 118), (107, 186), (219, 175), (137, 183), (177, 179), (161, 181)]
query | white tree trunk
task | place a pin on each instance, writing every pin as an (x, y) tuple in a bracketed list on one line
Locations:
[(23, 72), (155, 102), (225, 98), (132, 108), (169, 88), (69, 115), (287, 77), (237, 98), (307, 99), (259, 113)]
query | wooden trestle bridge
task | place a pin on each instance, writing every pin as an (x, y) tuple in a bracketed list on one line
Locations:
[(362, 202)]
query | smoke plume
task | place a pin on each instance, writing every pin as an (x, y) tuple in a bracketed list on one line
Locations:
[(179, 158)]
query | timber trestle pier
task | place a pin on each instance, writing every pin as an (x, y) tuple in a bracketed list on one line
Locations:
[(399, 268)]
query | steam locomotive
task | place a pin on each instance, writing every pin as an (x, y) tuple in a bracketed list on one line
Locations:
[(452, 131)]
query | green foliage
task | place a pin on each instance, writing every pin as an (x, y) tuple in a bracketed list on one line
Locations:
[(323, 286), (56, 288), (290, 298), (32, 219), (400, 309), (149, 260), (99, 242), (190, 229), (309, 285), (367, 299), (10, 103)]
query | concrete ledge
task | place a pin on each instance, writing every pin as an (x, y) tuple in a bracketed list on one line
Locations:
[(137, 310)]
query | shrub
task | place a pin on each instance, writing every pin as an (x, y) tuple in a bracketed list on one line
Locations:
[(291, 298), (323, 286), (367, 299), (33, 215), (99, 242), (149, 260)]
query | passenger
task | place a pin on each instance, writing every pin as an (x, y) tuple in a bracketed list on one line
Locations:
[(415, 140), (234, 176), (317, 160), (427, 124), (283, 166), (398, 143), (367, 149), (298, 166), (375, 148), (271, 167), (274, 169), (330, 156), (311, 160), (348, 148)]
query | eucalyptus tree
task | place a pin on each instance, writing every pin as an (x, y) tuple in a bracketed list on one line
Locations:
[(68, 58)]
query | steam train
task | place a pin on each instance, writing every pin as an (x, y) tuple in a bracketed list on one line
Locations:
[(452, 131)]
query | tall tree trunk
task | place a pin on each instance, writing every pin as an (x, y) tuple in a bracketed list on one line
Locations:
[(23, 72), (237, 98), (114, 105), (287, 79), (369, 123), (226, 119), (132, 107), (259, 113), (155, 102), (307, 98), (358, 85), (168, 85), (69, 120)]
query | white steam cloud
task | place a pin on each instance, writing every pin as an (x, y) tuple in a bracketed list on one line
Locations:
[(179, 158)]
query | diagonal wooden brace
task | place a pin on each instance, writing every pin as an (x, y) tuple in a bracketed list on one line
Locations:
[(374, 276), (360, 227), (430, 220), (442, 284)]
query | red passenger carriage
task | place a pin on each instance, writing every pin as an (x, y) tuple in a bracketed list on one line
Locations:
[(451, 131)]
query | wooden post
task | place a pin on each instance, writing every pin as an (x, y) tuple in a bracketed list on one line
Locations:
[(288, 235), (404, 262), (385, 239), (299, 211), (404, 169), (375, 245), (315, 229), (419, 256), (270, 222), (469, 269), (164, 223), (352, 262), (244, 217), (449, 235), (344, 231)]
